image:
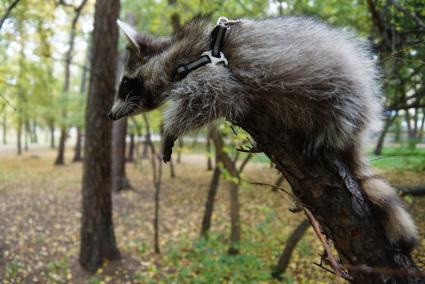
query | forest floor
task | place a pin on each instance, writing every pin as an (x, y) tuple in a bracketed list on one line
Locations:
[(40, 209)]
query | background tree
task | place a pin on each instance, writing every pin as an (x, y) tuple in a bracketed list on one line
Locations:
[(97, 230)]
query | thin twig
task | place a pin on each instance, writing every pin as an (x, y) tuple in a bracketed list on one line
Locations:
[(275, 187), (330, 258), (7, 102)]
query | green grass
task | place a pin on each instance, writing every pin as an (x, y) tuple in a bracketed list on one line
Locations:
[(402, 158)]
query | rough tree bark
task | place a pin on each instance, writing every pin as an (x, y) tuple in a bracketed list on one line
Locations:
[(60, 159), (97, 230), (329, 190)]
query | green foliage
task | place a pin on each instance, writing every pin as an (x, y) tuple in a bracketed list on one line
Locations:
[(207, 261), (12, 270)]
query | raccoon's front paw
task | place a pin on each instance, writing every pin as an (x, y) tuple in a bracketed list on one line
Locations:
[(167, 148)]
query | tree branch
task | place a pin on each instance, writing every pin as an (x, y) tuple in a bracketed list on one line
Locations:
[(8, 11), (412, 15), (328, 188)]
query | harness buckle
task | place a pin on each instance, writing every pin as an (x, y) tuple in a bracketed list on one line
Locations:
[(215, 60)]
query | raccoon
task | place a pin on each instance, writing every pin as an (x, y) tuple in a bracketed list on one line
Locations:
[(303, 74)]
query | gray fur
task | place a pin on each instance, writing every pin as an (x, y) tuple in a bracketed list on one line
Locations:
[(308, 77)]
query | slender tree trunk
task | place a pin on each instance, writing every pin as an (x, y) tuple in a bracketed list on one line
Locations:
[(19, 137), (172, 171), (26, 135), (157, 172), (209, 204), (329, 190), (380, 144), (97, 229), (68, 60), (179, 150), (290, 245), (83, 90), (230, 166), (60, 158), (209, 162), (119, 134), (78, 146), (235, 233), (52, 134), (130, 157), (421, 129), (34, 132), (146, 146)]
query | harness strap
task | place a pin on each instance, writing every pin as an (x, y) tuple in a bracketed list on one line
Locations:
[(214, 55)]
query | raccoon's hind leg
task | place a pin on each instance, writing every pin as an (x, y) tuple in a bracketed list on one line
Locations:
[(204, 96)]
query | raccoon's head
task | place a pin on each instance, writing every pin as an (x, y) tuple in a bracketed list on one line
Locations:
[(134, 93)]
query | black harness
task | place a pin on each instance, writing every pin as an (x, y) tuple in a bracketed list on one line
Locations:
[(214, 55)]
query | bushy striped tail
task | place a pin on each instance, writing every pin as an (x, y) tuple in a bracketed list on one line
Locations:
[(399, 226)]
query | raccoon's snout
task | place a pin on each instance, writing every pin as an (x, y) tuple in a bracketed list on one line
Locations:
[(112, 116)]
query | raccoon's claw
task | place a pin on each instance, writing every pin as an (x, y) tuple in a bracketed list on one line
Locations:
[(167, 148), (166, 155)]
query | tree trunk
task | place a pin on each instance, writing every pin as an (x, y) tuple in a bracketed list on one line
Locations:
[(328, 189), (230, 166), (52, 134), (380, 144), (97, 230), (235, 232), (172, 171), (209, 162), (179, 150), (77, 150), (157, 173), (19, 137), (209, 204), (290, 245), (130, 157), (60, 159), (146, 146), (68, 60), (26, 135), (119, 134), (34, 132)]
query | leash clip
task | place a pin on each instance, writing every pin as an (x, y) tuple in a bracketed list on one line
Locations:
[(216, 60), (222, 21)]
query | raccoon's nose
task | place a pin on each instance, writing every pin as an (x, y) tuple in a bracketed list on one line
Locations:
[(111, 116)]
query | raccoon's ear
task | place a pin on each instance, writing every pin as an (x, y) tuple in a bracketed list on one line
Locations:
[(130, 33)]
